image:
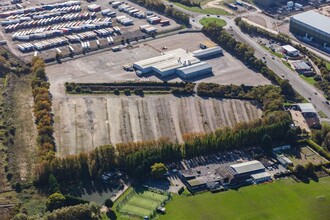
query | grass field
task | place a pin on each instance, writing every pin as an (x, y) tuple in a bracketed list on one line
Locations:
[(212, 11), (143, 203), (328, 65), (206, 21), (284, 199), (309, 80)]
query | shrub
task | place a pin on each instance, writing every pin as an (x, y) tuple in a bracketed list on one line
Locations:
[(116, 92), (78, 89), (127, 92)]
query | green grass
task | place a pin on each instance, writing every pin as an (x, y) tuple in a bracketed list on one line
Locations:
[(141, 204), (328, 65), (287, 64), (322, 115), (284, 199), (309, 80), (213, 11), (279, 55), (206, 21)]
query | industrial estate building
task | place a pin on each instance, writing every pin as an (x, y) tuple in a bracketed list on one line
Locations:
[(312, 26), (217, 176), (290, 50), (181, 62), (309, 113)]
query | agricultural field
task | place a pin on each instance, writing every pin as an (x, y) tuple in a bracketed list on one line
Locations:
[(141, 203), (284, 199), (304, 155), (83, 122)]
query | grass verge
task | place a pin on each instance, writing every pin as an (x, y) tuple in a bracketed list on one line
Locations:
[(206, 21), (279, 55), (309, 80), (284, 199), (322, 115)]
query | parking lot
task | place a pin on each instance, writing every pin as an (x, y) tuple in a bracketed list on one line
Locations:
[(52, 28)]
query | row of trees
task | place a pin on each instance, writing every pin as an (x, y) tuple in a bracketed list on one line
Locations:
[(271, 97), (239, 50), (322, 82), (42, 110), (138, 157)]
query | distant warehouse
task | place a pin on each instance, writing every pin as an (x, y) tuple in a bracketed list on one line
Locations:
[(312, 26)]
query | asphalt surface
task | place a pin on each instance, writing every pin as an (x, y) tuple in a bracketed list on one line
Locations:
[(308, 91)]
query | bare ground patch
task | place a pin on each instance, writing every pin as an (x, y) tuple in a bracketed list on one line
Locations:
[(84, 123)]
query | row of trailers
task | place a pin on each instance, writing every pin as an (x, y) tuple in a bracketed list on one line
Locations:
[(68, 28), (30, 23), (60, 41), (38, 9)]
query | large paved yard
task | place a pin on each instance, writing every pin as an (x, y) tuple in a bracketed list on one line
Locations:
[(83, 122)]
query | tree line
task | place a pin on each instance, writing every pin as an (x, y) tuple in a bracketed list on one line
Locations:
[(42, 110), (270, 97), (323, 82), (138, 157)]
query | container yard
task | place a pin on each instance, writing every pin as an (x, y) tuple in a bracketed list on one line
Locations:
[(44, 28)]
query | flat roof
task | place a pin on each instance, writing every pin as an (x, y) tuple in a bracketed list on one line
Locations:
[(260, 175), (195, 68), (289, 48), (247, 167), (306, 107), (315, 20), (301, 65), (165, 58), (203, 52)]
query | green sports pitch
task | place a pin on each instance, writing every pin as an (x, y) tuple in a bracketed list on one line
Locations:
[(284, 199)]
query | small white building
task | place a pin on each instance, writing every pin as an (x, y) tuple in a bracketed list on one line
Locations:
[(290, 51), (261, 177)]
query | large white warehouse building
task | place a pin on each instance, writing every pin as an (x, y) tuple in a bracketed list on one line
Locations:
[(181, 62)]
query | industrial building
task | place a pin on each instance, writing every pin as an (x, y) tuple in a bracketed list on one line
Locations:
[(312, 26), (284, 161), (309, 113), (215, 176), (208, 52), (303, 68), (181, 62), (290, 51)]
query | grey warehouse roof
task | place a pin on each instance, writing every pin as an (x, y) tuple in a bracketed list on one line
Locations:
[(247, 167), (195, 67), (206, 51), (315, 20), (301, 65), (306, 107)]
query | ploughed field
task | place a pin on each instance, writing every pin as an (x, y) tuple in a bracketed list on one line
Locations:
[(83, 122)]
